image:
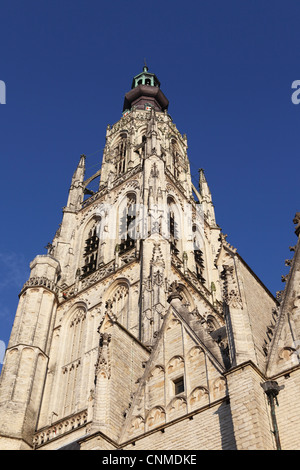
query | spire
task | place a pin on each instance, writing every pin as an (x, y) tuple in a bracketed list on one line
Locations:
[(203, 186), (76, 189), (80, 170), (206, 199)]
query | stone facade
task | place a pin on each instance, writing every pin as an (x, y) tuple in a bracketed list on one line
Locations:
[(143, 328)]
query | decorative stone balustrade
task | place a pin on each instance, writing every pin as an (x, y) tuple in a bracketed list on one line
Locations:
[(60, 428), (40, 282)]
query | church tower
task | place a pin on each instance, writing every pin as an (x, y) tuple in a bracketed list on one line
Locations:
[(142, 328)]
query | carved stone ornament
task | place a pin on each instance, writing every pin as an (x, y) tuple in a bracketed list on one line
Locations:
[(175, 292), (103, 361), (158, 278), (40, 282), (296, 221), (230, 288)]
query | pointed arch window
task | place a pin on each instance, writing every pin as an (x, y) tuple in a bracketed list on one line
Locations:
[(120, 299), (76, 328), (175, 155), (128, 228), (72, 357), (173, 226), (198, 256), (91, 248), (120, 153), (143, 145)]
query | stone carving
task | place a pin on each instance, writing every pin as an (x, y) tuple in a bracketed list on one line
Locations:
[(103, 361), (199, 394), (219, 387), (156, 416), (296, 221), (79, 316), (61, 427), (41, 282), (177, 405), (174, 290), (137, 425), (175, 364), (231, 291), (157, 371), (286, 354), (154, 296), (279, 295)]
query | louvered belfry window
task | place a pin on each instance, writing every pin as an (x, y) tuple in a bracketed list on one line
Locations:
[(129, 216), (90, 252)]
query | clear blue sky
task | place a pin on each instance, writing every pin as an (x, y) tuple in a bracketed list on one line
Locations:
[(226, 68)]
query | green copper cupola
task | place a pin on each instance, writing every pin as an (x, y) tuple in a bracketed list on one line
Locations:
[(145, 78), (145, 93)]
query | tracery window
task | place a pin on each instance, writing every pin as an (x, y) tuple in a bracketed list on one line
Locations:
[(120, 299), (173, 225), (128, 228), (120, 154), (76, 327), (72, 362), (175, 158), (198, 256), (90, 254)]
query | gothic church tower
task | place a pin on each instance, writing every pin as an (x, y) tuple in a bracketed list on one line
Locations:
[(142, 328)]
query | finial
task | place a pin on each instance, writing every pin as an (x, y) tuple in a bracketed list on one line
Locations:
[(81, 163), (145, 66)]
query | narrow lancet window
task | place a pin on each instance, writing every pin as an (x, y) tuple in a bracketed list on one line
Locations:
[(173, 229), (175, 157), (90, 254), (198, 256), (128, 237), (120, 154)]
